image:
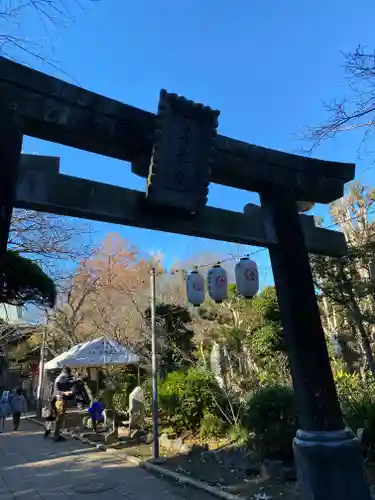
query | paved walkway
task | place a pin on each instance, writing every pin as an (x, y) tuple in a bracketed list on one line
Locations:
[(33, 468)]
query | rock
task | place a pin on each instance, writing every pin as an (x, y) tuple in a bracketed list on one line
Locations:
[(148, 438), (176, 444), (186, 448), (170, 444), (135, 433), (164, 440), (100, 447), (271, 469)]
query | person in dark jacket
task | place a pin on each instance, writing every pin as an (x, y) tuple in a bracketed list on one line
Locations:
[(18, 406), (80, 393), (63, 392), (49, 415)]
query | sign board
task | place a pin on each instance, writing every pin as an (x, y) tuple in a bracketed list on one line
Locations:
[(182, 153)]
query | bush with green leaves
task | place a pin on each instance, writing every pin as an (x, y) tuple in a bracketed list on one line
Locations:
[(24, 281), (119, 383), (212, 425), (357, 398), (270, 416), (267, 340), (121, 395), (186, 396)]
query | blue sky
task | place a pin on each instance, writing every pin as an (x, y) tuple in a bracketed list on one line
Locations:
[(265, 65)]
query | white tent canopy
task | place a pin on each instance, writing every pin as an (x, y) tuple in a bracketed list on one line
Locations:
[(98, 352)]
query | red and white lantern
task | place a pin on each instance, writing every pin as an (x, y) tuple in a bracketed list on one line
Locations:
[(195, 288), (247, 278), (217, 283)]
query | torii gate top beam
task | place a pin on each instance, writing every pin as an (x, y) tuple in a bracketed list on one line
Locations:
[(60, 112)]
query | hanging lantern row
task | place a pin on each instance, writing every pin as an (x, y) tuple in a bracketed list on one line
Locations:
[(247, 280)]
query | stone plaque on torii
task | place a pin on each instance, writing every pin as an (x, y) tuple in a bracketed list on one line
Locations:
[(179, 151)]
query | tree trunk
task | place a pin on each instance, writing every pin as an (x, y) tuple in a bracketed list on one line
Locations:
[(365, 341)]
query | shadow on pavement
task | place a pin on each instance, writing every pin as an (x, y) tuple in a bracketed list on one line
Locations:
[(36, 468)]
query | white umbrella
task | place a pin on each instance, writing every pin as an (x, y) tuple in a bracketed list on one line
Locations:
[(98, 352), (58, 361)]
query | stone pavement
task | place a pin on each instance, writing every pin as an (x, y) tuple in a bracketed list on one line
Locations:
[(33, 468)]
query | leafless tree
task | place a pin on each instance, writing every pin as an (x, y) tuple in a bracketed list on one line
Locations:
[(50, 240), (67, 323), (48, 14), (356, 111)]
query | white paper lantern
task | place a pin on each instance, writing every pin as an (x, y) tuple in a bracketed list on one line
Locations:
[(247, 277), (217, 283), (195, 288)]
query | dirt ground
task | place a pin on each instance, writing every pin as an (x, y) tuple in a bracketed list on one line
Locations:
[(231, 468), (232, 472)]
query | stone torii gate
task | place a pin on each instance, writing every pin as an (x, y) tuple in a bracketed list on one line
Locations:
[(179, 152)]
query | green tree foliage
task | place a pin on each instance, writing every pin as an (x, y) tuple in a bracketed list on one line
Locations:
[(266, 304), (187, 398), (267, 339), (24, 281), (177, 348), (348, 283)]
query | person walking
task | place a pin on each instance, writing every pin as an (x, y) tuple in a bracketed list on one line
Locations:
[(49, 415), (17, 406), (80, 393), (63, 392), (4, 409)]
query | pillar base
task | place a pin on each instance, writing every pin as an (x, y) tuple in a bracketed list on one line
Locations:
[(330, 466)]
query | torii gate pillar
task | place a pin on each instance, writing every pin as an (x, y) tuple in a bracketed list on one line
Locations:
[(328, 456)]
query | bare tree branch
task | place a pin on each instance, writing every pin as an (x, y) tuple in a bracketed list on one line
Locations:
[(49, 14), (354, 112)]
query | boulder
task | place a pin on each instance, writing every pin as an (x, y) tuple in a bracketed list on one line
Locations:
[(170, 444), (148, 438), (176, 444)]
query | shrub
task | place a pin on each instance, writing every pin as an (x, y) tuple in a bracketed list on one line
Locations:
[(147, 393), (238, 434), (271, 417), (184, 398), (122, 392), (212, 426), (357, 399), (267, 340)]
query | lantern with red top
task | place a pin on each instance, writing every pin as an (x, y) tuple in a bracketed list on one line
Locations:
[(247, 277), (217, 283), (195, 288)]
